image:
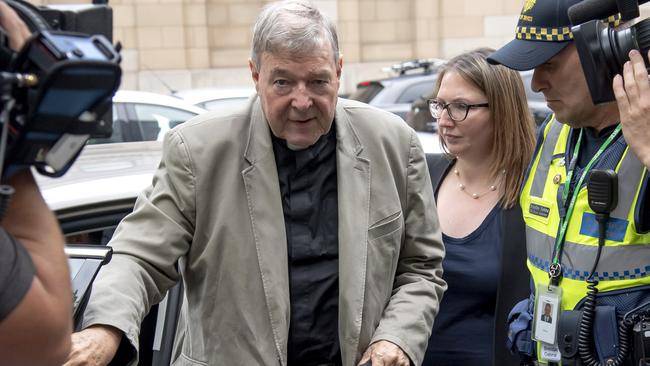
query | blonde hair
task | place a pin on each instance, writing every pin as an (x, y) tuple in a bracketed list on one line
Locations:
[(514, 132)]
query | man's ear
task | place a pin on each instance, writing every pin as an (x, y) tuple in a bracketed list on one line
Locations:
[(339, 67), (255, 74)]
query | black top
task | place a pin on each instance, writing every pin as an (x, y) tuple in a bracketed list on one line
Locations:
[(16, 273), (513, 282), (463, 332), (309, 202)]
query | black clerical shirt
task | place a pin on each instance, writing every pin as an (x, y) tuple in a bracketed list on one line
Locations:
[(309, 202)]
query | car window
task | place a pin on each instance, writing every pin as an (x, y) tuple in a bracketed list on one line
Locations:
[(146, 123), (116, 136), (154, 120), (366, 91), (413, 92), (228, 103), (98, 236), (419, 116)]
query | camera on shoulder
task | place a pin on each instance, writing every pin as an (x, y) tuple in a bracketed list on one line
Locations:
[(602, 49), (56, 92)]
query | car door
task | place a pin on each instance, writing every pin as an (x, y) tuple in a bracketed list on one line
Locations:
[(91, 226)]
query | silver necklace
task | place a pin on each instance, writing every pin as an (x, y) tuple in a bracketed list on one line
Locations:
[(477, 195)]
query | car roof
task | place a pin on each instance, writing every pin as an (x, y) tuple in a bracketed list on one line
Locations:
[(395, 87), (103, 173), (141, 97), (405, 78), (200, 95), (393, 92)]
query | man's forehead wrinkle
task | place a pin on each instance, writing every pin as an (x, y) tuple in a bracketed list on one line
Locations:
[(283, 71)]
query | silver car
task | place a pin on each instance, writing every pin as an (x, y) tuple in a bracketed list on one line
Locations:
[(144, 116), (216, 98)]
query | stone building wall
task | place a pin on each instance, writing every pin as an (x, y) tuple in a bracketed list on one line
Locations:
[(181, 44)]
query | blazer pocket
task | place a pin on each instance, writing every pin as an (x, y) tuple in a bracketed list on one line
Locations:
[(385, 226)]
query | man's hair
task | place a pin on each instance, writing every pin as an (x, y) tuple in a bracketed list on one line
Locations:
[(514, 131), (296, 27)]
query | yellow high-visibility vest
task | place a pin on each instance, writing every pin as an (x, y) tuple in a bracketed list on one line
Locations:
[(625, 258)]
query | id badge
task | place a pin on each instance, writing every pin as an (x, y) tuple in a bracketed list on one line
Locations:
[(550, 352), (547, 313)]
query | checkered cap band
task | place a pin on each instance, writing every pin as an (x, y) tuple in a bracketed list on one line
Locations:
[(613, 20), (556, 34), (544, 34)]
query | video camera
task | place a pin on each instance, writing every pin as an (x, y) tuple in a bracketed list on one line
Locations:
[(602, 49), (56, 91)]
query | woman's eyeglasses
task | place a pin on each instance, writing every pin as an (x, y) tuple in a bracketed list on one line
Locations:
[(457, 111)]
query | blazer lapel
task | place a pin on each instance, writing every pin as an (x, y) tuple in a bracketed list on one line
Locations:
[(353, 176), (265, 207)]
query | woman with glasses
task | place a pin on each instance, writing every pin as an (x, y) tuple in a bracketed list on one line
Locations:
[(487, 132)]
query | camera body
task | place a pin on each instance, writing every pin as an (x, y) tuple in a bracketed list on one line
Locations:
[(56, 91), (602, 49)]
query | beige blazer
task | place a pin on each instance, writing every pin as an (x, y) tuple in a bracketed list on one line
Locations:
[(213, 218)]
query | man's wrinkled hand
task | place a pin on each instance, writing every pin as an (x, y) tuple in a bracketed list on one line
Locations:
[(94, 346), (384, 353)]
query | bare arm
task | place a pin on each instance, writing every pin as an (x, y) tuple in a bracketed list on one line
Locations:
[(16, 29), (43, 319)]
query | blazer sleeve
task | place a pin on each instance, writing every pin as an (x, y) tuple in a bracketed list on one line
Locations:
[(418, 286), (146, 247)]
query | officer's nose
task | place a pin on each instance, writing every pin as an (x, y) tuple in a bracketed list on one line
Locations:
[(539, 82)]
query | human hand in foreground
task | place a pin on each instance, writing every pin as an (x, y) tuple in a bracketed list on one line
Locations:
[(632, 91)]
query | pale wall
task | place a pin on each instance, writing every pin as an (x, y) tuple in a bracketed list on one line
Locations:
[(198, 43)]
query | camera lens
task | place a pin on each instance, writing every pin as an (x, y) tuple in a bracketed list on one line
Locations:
[(642, 30), (618, 44)]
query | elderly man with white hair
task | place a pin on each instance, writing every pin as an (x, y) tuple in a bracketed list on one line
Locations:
[(303, 226)]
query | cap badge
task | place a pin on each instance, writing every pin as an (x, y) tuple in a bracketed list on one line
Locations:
[(529, 4)]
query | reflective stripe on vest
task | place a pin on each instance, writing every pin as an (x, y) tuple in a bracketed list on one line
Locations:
[(625, 259), (544, 163), (632, 169), (619, 262)]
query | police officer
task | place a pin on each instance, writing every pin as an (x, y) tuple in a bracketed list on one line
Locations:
[(579, 137)]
